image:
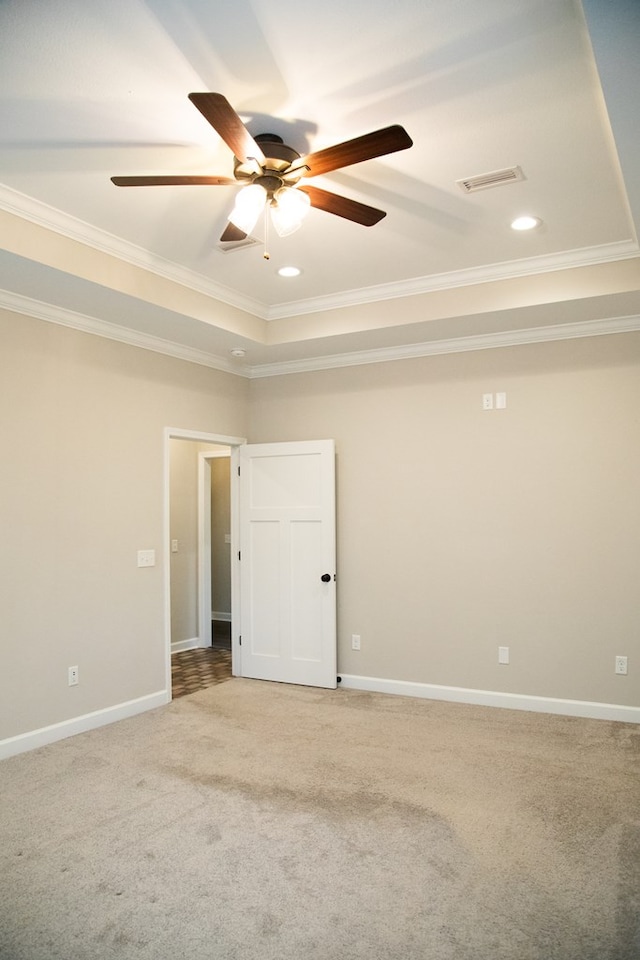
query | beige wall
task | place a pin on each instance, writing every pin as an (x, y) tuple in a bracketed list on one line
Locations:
[(82, 430), (461, 530), (458, 530)]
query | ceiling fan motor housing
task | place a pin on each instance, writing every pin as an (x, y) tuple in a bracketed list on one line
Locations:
[(273, 173)]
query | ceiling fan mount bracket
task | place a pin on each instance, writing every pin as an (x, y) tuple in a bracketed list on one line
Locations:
[(268, 138)]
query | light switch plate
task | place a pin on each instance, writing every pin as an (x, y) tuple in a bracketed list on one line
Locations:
[(146, 558)]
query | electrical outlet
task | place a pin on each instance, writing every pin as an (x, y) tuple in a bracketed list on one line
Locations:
[(621, 666), (355, 641), (74, 676), (487, 401)]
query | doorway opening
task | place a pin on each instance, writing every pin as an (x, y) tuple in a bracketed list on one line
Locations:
[(200, 532)]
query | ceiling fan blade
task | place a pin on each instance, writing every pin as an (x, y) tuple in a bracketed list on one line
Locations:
[(232, 234), (376, 144), (218, 111), (342, 206), (179, 180)]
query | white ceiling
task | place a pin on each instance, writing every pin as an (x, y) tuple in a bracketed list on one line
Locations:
[(91, 89)]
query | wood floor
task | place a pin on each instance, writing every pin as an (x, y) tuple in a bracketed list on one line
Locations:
[(193, 670)]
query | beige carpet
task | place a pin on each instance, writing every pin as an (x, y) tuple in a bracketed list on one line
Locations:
[(255, 821)]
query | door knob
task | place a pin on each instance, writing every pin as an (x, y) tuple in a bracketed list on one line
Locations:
[(326, 577)]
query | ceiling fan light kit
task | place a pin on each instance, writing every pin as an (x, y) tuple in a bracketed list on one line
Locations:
[(288, 207), (270, 172)]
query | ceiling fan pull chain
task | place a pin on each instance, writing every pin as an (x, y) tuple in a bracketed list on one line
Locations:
[(266, 255)]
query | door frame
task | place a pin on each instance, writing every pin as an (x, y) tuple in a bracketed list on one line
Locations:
[(177, 433)]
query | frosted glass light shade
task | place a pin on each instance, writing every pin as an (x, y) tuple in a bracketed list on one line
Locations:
[(248, 207), (288, 210)]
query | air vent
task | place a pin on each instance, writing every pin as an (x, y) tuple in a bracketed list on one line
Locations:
[(494, 179), (233, 245)]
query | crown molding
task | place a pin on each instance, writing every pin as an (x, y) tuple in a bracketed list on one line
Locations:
[(35, 211), (512, 269), (508, 338), (17, 303), (51, 218), (26, 306)]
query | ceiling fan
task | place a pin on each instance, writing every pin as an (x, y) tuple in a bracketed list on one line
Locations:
[(271, 172)]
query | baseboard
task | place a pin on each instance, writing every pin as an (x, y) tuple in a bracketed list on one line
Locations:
[(179, 646), (90, 721), (222, 617), (489, 698)]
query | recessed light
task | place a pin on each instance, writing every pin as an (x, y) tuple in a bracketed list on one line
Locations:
[(525, 223), (289, 272)]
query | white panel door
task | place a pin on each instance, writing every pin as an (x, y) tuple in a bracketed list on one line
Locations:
[(288, 562)]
